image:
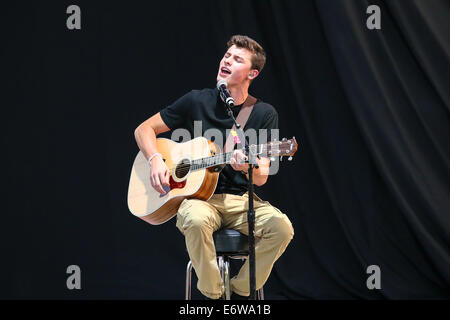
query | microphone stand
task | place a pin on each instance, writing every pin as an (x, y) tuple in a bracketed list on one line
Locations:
[(250, 213)]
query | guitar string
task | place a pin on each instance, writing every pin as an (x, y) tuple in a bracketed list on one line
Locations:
[(201, 163)]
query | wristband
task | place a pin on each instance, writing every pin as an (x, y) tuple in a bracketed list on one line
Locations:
[(152, 156)]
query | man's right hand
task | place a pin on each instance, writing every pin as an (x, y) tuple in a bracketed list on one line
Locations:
[(159, 175)]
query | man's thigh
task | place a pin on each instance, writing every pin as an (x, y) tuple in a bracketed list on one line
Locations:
[(266, 216), (194, 213)]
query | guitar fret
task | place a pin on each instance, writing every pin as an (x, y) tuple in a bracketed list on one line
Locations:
[(224, 158), (210, 161)]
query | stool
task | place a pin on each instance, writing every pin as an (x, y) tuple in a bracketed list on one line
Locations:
[(230, 244)]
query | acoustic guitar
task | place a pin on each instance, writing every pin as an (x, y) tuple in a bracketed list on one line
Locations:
[(194, 172)]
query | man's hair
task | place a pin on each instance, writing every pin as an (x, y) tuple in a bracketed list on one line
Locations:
[(258, 53)]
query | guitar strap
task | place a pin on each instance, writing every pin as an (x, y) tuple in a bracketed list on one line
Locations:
[(242, 118)]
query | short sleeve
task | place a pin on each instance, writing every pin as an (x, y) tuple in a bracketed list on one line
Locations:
[(176, 114), (271, 122)]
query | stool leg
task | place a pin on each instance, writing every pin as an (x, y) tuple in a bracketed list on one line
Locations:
[(188, 280), (261, 294), (227, 280), (221, 267)]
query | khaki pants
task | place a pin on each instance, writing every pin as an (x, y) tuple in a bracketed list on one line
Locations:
[(198, 219)]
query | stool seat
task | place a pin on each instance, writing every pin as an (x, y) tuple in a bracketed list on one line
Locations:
[(230, 242)]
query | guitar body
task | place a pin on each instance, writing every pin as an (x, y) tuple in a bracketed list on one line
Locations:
[(151, 206), (194, 168)]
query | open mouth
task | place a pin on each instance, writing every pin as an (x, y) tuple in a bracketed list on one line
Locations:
[(225, 71)]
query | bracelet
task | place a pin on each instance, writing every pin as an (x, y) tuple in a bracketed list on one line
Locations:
[(152, 156)]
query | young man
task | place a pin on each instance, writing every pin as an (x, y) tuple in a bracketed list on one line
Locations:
[(197, 219)]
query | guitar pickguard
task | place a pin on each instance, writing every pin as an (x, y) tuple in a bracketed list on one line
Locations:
[(176, 185)]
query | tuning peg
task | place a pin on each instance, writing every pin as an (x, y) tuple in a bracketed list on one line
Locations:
[(284, 139), (272, 158), (290, 158), (281, 158)]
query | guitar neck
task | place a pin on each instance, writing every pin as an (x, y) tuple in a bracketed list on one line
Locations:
[(223, 158), (218, 159), (271, 149)]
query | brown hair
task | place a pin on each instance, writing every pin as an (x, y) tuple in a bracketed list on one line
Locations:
[(259, 55)]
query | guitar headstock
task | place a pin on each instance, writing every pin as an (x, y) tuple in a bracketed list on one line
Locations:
[(283, 148)]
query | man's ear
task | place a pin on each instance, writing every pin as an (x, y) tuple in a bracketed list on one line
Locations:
[(253, 74)]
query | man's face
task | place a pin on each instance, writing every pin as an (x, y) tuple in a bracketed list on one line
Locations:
[(235, 66)]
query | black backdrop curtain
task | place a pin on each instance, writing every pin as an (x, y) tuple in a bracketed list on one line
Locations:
[(370, 109)]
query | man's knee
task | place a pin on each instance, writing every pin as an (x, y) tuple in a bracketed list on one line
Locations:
[(192, 214), (281, 228), (194, 221)]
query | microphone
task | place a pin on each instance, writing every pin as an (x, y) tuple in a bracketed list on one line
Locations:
[(225, 93)]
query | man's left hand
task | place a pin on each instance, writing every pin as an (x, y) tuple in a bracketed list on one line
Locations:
[(237, 162)]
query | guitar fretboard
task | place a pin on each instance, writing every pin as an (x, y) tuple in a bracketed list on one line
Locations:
[(215, 160), (267, 149)]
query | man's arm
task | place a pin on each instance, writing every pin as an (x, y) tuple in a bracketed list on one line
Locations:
[(145, 135)]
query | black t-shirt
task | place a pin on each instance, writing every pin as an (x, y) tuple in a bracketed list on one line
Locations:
[(206, 106)]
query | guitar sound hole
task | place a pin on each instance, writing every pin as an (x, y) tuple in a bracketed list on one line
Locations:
[(182, 168)]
